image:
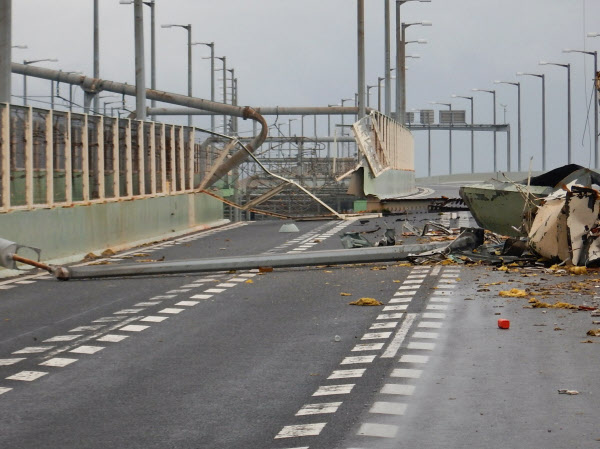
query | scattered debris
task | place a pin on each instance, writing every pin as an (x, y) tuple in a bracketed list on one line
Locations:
[(569, 392), (289, 227), (107, 253), (513, 293), (366, 302), (535, 304), (593, 333), (354, 240), (503, 324), (90, 256), (345, 294)]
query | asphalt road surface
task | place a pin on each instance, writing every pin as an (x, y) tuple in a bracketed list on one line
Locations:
[(281, 360)]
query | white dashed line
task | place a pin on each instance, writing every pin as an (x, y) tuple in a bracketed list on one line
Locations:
[(128, 312), (327, 390), (58, 362), (437, 307), (87, 349), (409, 358), (134, 328), (112, 338), (201, 296), (411, 293), (171, 310), (388, 408), (346, 374), (62, 338), (147, 304), (358, 359), (434, 315), (425, 335), (421, 345), (6, 362), (27, 376), (390, 316), (94, 327), (318, 409), (376, 336), (154, 319), (215, 290), (226, 285), (406, 373), (4, 390), (187, 303), (378, 430), (301, 430), (398, 389), (367, 347), (396, 342), (395, 308), (388, 325), (430, 324), (33, 349)]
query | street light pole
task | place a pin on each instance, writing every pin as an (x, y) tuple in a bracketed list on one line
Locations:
[(188, 28), (471, 99), (224, 60), (25, 76), (361, 57), (212, 77), (518, 118), (96, 52), (450, 133), (493, 92), (568, 67), (595, 55), (5, 50), (543, 78), (140, 70), (387, 71)]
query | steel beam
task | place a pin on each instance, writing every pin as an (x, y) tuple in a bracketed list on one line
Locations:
[(267, 110)]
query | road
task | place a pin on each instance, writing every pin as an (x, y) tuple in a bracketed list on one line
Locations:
[(281, 360)]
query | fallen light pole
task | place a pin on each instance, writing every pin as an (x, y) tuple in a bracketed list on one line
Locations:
[(9, 257), (332, 257)]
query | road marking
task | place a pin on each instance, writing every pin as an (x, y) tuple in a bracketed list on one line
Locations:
[(25, 282), (187, 303), (410, 358), (413, 281), (435, 299), (147, 304), (154, 319), (399, 300), (163, 297), (112, 338), (396, 342), (434, 315), (226, 285), (87, 349), (358, 359), (346, 373), (407, 373), (390, 316), (395, 308), (108, 319), (27, 376), (201, 296), (388, 325), (4, 390), (411, 293), (181, 290), (171, 310), (128, 311), (378, 430), (134, 328), (6, 362), (367, 347), (7, 287), (326, 390), (415, 276), (430, 324), (388, 408), (376, 336), (58, 362), (215, 290), (437, 307), (406, 287), (398, 389), (62, 338), (318, 409), (237, 280), (425, 335), (33, 349), (453, 275), (93, 327), (421, 345), (436, 270), (301, 430)]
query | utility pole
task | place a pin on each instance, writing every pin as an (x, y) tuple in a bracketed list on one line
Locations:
[(361, 58), (96, 54), (140, 74), (5, 50), (387, 73)]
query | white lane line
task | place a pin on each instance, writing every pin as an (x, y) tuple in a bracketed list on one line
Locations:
[(421, 345), (128, 311), (318, 409), (147, 304), (237, 280), (201, 296), (301, 430), (396, 342), (4, 390), (425, 335), (416, 276), (398, 389), (358, 359), (58, 362), (390, 316), (388, 408), (367, 347), (25, 282), (436, 270), (27, 376), (87, 349), (453, 275), (154, 319), (399, 300), (347, 373), (406, 373), (378, 430), (214, 290), (181, 290), (437, 307), (6, 362), (191, 286), (33, 349), (376, 336), (447, 281), (112, 338), (247, 275), (388, 325), (430, 324), (134, 328), (326, 390), (171, 310), (443, 293), (187, 303), (226, 285), (413, 281), (434, 315), (436, 299), (406, 287), (395, 308), (411, 293), (108, 319), (410, 358), (93, 327), (163, 297), (62, 338), (7, 287)]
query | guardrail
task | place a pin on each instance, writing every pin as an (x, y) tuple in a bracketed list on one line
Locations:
[(53, 158)]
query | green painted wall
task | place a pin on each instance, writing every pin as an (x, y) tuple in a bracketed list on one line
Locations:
[(66, 231)]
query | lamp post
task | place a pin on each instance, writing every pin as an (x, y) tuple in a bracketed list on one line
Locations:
[(25, 76), (343, 100), (224, 60), (400, 51), (595, 55), (290, 135), (450, 133), (110, 102), (518, 118), (188, 28), (568, 67), (212, 77), (543, 78), (401, 73), (493, 92), (96, 68), (369, 94), (472, 130)]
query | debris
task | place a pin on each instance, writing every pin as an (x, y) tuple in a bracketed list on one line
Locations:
[(366, 302), (513, 293), (593, 333), (107, 253), (345, 294), (90, 256), (249, 281), (265, 269), (141, 255), (535, 304), (337, 338), (410, 229), (354, 240), (570, 392), (577, 270), (389, 238), (503, 324)]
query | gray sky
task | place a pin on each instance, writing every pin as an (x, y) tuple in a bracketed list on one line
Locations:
[(294, 53)]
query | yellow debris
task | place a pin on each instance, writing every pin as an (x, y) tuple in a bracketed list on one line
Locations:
[(249, 281), (345, 294), (404, 264), (107, 253), (577, 270), (513, 293), (544, 305), (503, 268), (366, 302), (594, 332)]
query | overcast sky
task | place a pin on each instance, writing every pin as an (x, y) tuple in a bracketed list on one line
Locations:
[(303, 53)]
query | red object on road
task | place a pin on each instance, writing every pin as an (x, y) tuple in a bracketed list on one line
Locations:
[(503, 324)]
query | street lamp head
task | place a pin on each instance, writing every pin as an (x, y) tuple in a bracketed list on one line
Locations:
[(475, 89), (454, 96), (167, 25), (413, 56), (22, 47), (520, 73), (421, 41), (543, 63), (426, 23), (497, 81), (125, 2), (567, 50), (593, 34)]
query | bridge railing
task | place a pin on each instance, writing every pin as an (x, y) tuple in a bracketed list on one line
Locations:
[(58, 158)]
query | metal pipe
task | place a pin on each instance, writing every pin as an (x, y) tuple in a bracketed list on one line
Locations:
[(152, 5), (361, 57), (5, 50), (140, 74), (87, 84), (269, 110), (312, 258)]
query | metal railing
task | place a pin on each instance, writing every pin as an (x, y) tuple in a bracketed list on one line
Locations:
[(54, 158)]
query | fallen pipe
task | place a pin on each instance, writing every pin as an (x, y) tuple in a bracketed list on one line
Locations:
[(312, 258), (95, 85)]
